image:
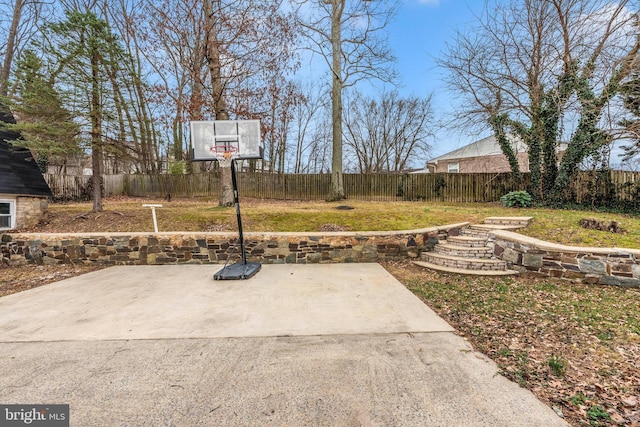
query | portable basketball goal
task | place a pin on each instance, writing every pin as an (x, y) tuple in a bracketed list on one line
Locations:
[(226, 141)]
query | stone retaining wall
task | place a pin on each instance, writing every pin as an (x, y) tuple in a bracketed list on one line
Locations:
[(608, 266), (204, 248)]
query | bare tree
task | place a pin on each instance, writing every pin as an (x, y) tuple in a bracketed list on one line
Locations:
[(136, 130), (389, 134), (319, 147), (22, 19), (171, 41), (306, 117), (216, 59), (348, 34), (545, 71), (630, 125), (280, 100), (243, 39), (10, 47)]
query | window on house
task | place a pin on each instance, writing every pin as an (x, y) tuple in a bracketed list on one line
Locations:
[(7, 214), (453, 167)]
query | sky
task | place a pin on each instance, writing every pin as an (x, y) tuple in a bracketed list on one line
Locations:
[(417, 37)]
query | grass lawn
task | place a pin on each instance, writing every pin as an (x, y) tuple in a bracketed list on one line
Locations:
[(127, 215)]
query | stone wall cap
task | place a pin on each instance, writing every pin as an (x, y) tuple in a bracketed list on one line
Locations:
[(512, 218), (34, 236), (556, 247)]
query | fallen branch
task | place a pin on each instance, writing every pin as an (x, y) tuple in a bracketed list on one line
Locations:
[(594, 224)]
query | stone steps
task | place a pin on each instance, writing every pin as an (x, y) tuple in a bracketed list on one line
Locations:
[(472, 231), (496, 223), (483, 230), (483, 252), (467, 241), (462, 263), (469, 252), (463, 271), (520, 221)]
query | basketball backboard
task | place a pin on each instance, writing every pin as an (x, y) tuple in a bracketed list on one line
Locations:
[(236, 139)]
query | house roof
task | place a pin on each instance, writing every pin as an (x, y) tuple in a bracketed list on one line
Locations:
[(19, 173), (484, 147)]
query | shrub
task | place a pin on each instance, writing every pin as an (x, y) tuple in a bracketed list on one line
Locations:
[(516, 199), (177, 167)]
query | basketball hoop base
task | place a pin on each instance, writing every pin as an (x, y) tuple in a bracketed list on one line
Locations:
[(238, 271)]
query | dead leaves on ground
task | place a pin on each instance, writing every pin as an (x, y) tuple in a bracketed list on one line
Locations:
[(577, 347), (15, 279)]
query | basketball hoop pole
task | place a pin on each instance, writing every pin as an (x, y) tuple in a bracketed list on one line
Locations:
[(244, 269), (236, 201)]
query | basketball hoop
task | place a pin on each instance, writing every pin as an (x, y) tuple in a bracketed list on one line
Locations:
[(224, 154), (225, 141), (211, 140)]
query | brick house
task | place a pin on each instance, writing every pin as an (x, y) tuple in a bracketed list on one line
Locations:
[(481, 156), (24, 194)]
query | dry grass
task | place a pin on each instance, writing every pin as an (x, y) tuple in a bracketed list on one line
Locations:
[(127, 215)]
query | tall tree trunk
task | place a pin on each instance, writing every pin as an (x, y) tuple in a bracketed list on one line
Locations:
[(10, 48), (220, 106), (336, 192), (147, 134), (121, 108), (177, 135), (96, 133), (497, 123)]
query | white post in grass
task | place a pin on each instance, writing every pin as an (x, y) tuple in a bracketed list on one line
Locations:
[(153, 214)]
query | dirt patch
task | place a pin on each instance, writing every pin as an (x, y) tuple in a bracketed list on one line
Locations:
[(21, 278), (332, 227), (90, 222)]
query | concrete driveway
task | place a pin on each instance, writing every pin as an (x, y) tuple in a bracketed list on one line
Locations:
[(296, 345)]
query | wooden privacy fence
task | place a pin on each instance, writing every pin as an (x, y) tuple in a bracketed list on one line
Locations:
[(477, 187), (441, 187), (597, 188), (79, 187)]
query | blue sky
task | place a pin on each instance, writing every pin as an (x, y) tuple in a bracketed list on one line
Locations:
[(417, 37)]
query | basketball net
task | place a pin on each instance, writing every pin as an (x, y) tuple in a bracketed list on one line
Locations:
[(225, 160)]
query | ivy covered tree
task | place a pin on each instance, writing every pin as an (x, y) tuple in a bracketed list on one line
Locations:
[(46, 126), (631, 125), (545, 71)]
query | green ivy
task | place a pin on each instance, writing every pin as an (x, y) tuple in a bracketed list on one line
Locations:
[(498, 123)]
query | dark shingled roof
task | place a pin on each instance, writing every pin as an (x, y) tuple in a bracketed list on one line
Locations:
[(19, 173)]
